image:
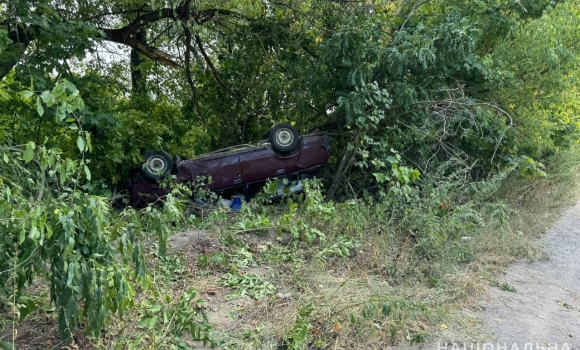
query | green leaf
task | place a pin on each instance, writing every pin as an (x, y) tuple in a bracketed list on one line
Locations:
[(155, 308), (380, 177), (152, 321), (71, 87), (61, 112), (29, 152), (34, 233), (39, 107), (386, 309), (87, 173), (71, 271), (46, 96), (26, 93), (148, 322), (26, 307), (48, 231), (81, 143)]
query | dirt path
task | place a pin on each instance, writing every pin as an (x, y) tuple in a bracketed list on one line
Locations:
[(545, 306)]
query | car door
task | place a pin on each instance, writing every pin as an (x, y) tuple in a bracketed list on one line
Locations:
[(261, 164)]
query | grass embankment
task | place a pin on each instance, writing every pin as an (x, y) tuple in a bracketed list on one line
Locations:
[(345, 275)]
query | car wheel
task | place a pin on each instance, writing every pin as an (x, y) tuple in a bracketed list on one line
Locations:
[(284, 137), (157, 165)]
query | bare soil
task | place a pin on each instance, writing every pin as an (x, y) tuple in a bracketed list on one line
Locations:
[(544, 307), (535, 303)]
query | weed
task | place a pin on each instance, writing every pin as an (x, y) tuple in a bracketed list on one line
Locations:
[(243, 258), (252, 285), (298, 337), (164, 322), (397, 317), (274, 255), (212, 261), (363, 273), (248, 339), (342, 247), (170, 267), (508, 287)]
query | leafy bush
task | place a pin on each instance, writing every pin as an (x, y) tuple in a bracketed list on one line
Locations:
[(90, 255)]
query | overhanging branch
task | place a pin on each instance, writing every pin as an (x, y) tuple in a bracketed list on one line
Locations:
[(126, 34), (23, 35), (116, 35)]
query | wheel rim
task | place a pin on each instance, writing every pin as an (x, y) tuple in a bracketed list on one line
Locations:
[(284, 137), (156, 165)]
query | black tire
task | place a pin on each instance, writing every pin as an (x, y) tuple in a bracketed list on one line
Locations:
[(284, 137), (157, 165)]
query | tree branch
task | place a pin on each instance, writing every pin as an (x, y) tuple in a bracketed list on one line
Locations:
[(21, 38), (116, 35), (126, 34), (188, 75), (212, 67)]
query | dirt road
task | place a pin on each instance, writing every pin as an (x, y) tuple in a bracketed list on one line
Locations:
[(545, 306)]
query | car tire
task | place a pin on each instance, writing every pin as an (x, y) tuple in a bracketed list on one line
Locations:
[(284, 137), (157, 165)]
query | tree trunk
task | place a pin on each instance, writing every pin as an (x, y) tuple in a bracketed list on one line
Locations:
[(137, 76), (346, 155), (21, 38)]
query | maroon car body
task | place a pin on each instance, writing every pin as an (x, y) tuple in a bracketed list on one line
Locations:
[(241, 167)]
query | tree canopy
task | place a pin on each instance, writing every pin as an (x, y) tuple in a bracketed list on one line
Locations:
[(480, 80)]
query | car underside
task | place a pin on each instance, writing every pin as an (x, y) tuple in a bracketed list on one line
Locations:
[(239, 169)]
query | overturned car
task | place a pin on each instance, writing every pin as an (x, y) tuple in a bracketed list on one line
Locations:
[(285, 154)]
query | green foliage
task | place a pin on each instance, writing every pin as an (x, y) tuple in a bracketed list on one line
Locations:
[(445, 211), (252, 285), (393, 315), (64, 236), (164, 322), (212, 261), (533, 72), (298, 337), (51, 230), (303, 217), (242, 258), (4, 40), (508, 287), (342, 247), (465, 80)]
